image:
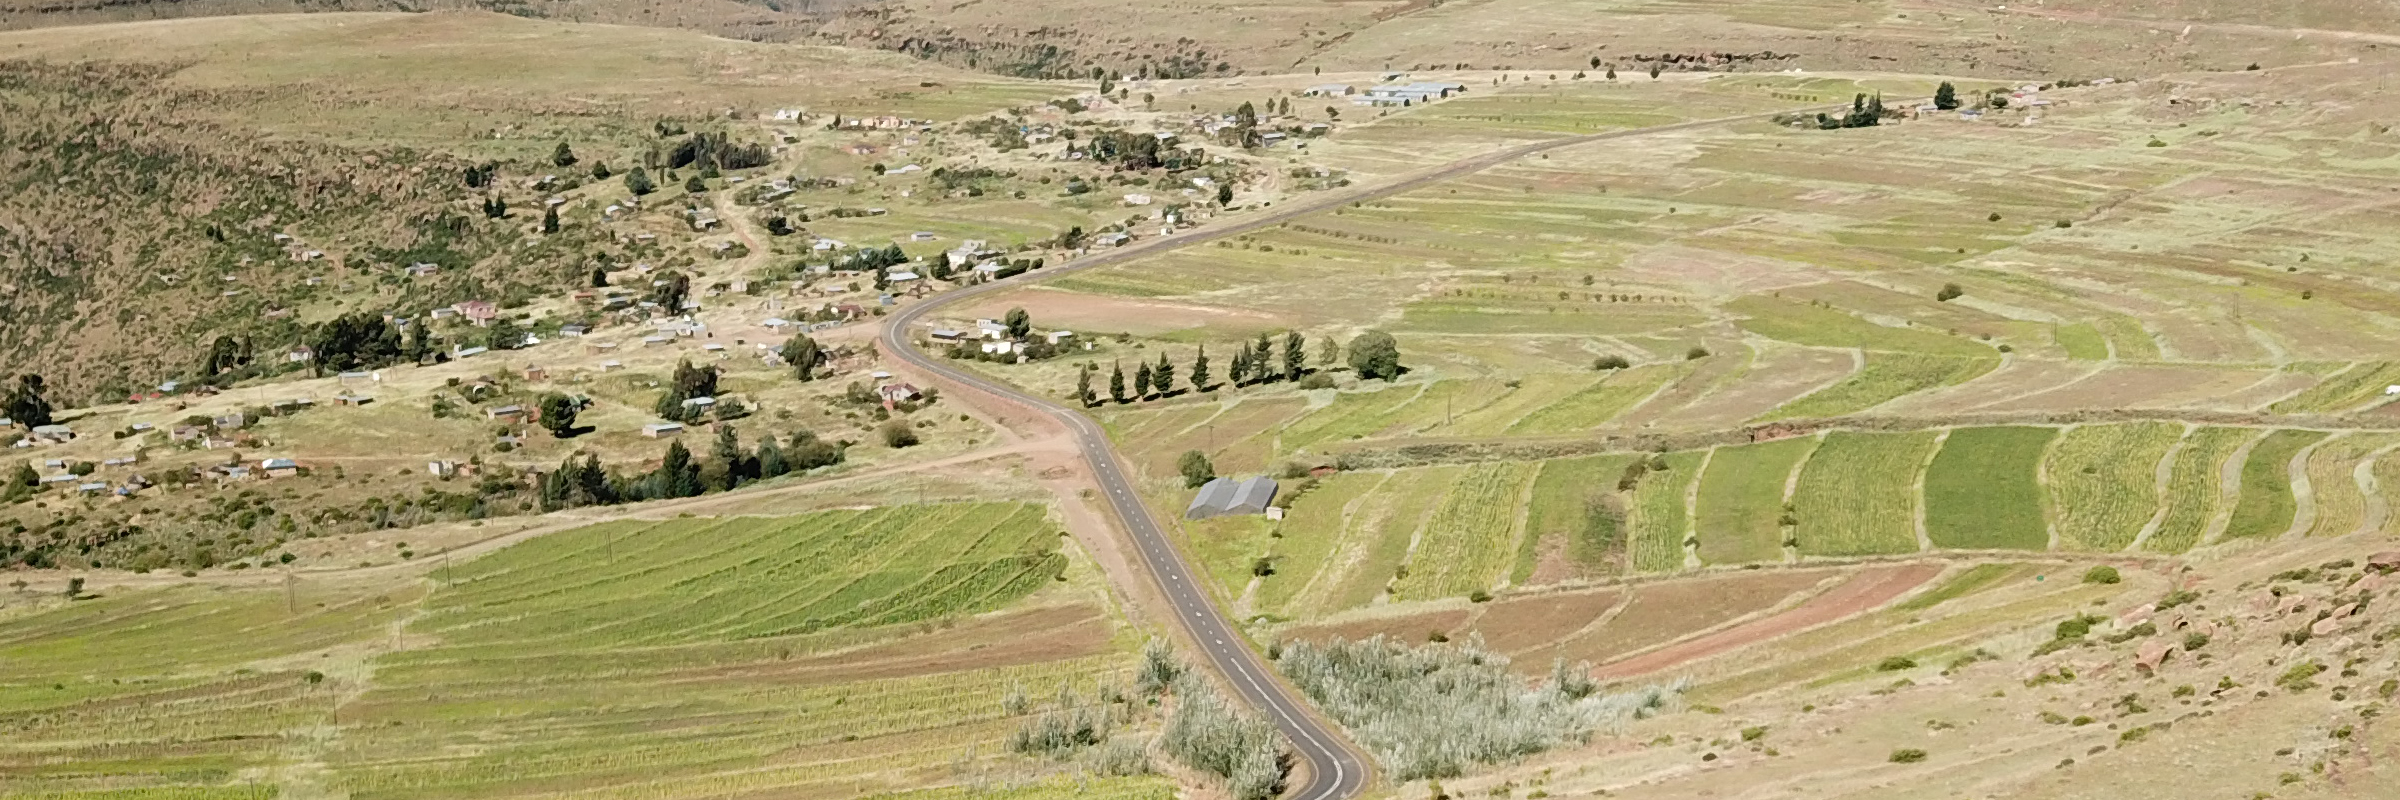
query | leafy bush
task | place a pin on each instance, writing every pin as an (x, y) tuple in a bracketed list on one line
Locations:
[(1431, 711), (1907, 755), (2101, 574), (1896, 664)]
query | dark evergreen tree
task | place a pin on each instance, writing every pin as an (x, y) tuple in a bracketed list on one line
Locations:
[(1945, 97), (1200, 369), (1083, 386), (558, 414), (1020, 324), (1162, 377), (564, 156), (638, 182), (550, 219), (27, 404), (1116, 383), (1295, 355), (1141, 379)]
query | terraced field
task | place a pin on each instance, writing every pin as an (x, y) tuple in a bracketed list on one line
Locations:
[(1467, 543), (1659, 522), (2193, 496), (696, 580), (2103, 482), (1741, 500), (1982, 490), (1575, 525), (1858, 494), (686, 658), (2266, 506), (1886, 377)]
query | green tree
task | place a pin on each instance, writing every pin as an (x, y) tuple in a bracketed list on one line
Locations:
[(1329, 352), (1141, 379), (1241, 364), (558, 415), (1116, 382), (503, 334), (898, 434), (495, 207), (695, 185), (771, 462), (1295, 355), (1945, 97), (599, 277), (1200, 369), (1020, 324), (638, 182), (1612, 71), (1654, 70), (550, 219), (1375, 355), (729, 456), (803, 354), (1225, 194), (1195, 468), (1163, 376), (600, 171), (1083, 386), (564, 156), (1246, 116), (677, 476)]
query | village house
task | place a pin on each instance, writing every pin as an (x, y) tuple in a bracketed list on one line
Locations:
[(53, 433), (896, 393), (660, 430), (279, 467), (480, 312), (512, 414)]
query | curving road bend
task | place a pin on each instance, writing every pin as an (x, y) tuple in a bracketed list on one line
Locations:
[(1336, 769)]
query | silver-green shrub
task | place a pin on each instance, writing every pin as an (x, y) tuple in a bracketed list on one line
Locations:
[(1429, 712)]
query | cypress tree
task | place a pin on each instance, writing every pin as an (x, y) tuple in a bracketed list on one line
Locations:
[(1141, 379), (1295, 355), (1200, 369), (1163, 375), (1116, 382)]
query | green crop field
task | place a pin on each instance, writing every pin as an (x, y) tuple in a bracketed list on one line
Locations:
[(1858, 494), (1886, 377), (619, 659), (2192, 490), (1598, 404), (1973, 580), (1656, 528), (1468, 542), (1572, 513), (1801, 323), (748, 577), (2103, 482), (174, 692), (1981, 491), (2082, 341), (2266, 506), (2345, 390), (1398, 410), (1311, 534), (1741, 500)]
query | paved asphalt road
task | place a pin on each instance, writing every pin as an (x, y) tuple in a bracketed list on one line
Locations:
[(1337, 770)]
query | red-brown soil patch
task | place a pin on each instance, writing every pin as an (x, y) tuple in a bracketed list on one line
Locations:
[(2136, 387), (1518, 624), (1663, 612), (1407, 628), (1870, 588)]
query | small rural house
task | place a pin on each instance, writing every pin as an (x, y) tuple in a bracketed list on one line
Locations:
[(1224, 497)]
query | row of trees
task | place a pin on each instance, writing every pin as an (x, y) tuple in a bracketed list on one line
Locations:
[(1373, 355), (585, 482)]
